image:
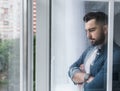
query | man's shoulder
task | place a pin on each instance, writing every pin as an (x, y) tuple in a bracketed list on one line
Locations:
[(88, 49)]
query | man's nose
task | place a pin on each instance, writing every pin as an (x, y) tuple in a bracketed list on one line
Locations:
[(88, 35)]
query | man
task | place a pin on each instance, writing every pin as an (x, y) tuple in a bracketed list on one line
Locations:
[(91, 68)]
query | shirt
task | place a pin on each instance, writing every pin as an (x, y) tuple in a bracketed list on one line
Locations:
[(89, 60)]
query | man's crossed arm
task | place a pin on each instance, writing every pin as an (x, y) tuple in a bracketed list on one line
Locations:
[(79, 76)]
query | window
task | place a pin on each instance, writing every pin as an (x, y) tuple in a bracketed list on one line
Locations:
[(59, 35), (68, 38), (10, 44), (15, 47)]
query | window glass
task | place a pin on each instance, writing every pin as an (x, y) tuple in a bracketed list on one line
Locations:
[(10, 28), (69, 38), (116, 50)]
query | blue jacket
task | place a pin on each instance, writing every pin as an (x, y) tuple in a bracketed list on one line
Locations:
[(99, 69)]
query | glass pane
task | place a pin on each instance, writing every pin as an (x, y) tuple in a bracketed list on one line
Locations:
[(116, 50), (10, 28), (69, 41)]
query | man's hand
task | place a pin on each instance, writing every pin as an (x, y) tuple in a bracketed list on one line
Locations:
[(90, 79), (82, 68), (79, 77)]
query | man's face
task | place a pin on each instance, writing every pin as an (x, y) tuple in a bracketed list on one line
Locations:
[(96, 32)]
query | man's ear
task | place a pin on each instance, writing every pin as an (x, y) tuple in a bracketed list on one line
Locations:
[(105, 29)]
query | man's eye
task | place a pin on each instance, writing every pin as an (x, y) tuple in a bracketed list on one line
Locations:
[(91, 30)]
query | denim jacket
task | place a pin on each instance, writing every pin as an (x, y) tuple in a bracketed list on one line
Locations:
[(99, 69)]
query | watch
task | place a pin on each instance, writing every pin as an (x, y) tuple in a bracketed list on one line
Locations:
[(86, 77)]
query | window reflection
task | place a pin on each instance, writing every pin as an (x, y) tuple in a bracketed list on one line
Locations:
[(69, 38), (116, 64)]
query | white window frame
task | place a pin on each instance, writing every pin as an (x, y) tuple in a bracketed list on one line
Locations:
[(29, 48), (22, 47), (26, 47), (110, 45), (43, 44)]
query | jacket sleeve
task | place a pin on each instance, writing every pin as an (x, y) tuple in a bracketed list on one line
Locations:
[(75, 66)]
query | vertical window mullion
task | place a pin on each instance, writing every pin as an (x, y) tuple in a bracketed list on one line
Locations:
[(42, 44), (21, 49), (110, 45), (30, 46)]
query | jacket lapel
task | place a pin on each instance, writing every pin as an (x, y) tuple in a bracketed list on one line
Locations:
[(99, 62)]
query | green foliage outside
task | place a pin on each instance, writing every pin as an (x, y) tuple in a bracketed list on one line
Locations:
[(6, 56), (9, 57)]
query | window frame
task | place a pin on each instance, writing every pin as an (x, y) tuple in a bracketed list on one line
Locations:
[(43, 8), (26, 47)]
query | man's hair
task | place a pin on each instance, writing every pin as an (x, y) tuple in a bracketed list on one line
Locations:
[(100, 17)]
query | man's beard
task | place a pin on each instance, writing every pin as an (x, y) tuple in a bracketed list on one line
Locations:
[(98, 42)]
